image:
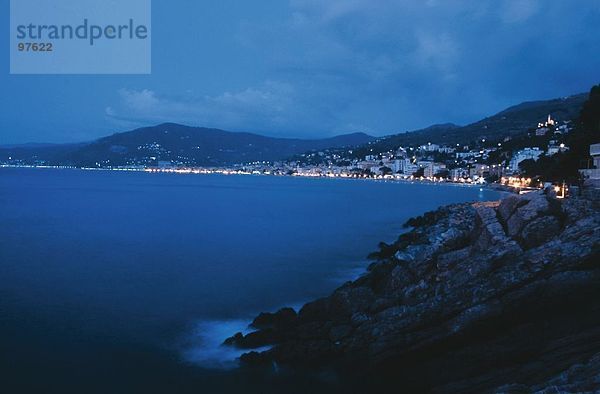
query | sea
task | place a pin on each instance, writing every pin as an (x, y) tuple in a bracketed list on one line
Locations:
[(128, 282)]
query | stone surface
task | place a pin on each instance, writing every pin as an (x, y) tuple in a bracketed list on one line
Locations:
[(476, 297), (540, 230), (281, 319), (508, 206), (531, 206)]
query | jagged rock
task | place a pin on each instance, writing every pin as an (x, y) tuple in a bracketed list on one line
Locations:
[(238, 337), (347, 301), (405, 255), (580, 378), (513, 389), (280, 319), (256, 358), (539, 231), (576, 209), (476, 295), (399, 278), (339, 332), (254, 339), (536, 204), (448, 260), (359, 318), (508, 206), (489, 231)]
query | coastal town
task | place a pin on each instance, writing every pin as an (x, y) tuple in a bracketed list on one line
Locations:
[(483, 162), (501, 162)]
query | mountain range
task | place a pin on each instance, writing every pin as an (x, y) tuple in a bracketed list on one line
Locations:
[(198, 146), (178, 144), (510, 122)]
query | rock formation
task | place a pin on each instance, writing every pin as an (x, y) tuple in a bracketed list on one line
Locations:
[(476, 297)]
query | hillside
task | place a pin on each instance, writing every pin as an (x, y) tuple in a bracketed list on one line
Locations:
[(179, 144), (196, 146), (509, 122)]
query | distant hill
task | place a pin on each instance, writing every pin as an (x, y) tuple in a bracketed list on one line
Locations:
[(28, 145), (179, 144), (33, 153), (510, 122), (197, 146)]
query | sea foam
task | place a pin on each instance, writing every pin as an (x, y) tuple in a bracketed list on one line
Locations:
[(205, 343)]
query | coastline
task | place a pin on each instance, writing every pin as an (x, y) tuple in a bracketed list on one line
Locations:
[(451, 280), (409, 180)]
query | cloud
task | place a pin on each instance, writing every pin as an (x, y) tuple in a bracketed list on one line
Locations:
[(518, 11), (438, 50), (390, 65), (273, 108), (140, 101)]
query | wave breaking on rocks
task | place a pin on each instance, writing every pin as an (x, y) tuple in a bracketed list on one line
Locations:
[(501, 296)]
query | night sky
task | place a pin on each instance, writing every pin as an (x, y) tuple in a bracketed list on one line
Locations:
[(308, 68)]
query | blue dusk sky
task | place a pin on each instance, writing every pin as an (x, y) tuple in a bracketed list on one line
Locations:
[(316, 68)]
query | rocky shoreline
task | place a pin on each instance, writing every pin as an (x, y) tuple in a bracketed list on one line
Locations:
[(496, 297)]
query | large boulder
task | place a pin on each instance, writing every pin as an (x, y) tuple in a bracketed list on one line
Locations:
[(339, 332), (539, 231), (285, 317), (508, 206), (575, 209), (448, 260), (536, 204), (488, 230), (484, 295), (255, 339)]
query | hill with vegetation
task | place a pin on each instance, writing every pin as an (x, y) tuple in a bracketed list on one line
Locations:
[(511, 122), (177, 145)]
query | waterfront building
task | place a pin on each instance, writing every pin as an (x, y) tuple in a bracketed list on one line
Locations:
[(524, 154), (429, 147), (592, 173), (407, 167), (554, 148), (427, 167), (458, 173)]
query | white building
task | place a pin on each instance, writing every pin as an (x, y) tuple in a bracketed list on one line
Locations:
[(466, 155), (554, 149), (429, 147), (375, 169), (164, 164), (407, 167), (525, 154), (438, 167), (593, 174), (401, 152), (457, 173), (478, 170), (427, 167), (549, 123), (446, 149), (595, 153), (364, 165)]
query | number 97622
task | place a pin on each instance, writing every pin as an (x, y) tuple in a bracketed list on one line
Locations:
[(34, 47)]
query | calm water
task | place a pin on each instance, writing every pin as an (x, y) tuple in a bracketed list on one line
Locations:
[(127, 282)]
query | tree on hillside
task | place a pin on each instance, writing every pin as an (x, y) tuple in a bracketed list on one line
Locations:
[(565, 166), (590, 113), (419, 173), (386, 170)]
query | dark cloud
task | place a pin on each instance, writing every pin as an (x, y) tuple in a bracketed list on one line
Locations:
[(322, 67), (386, 66)]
